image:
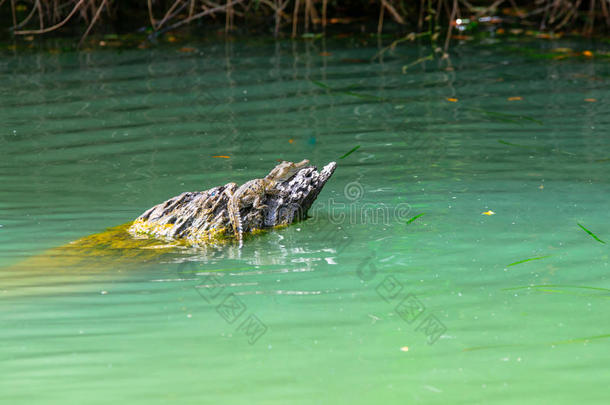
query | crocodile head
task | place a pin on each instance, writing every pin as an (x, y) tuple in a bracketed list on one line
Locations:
[(286, 170)]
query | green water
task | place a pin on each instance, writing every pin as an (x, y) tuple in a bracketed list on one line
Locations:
[(324, 310)]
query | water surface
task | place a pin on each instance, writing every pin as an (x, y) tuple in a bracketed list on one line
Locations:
[(354, 305)]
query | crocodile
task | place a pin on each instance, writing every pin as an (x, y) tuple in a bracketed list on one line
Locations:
[(252, 192)]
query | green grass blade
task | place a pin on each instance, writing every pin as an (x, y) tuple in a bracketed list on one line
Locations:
[(348, 92), (581, 340), (560, 342), (350, 152), (558, 286), (517, 145), (504, 117), (320, 84), (591, 234), (528, 260), (415, 217)]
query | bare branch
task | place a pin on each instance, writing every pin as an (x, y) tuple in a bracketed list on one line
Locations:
[(169, 12), (393, 12), (54, 27)]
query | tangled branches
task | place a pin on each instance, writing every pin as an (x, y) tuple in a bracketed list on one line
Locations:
[(30, 17)]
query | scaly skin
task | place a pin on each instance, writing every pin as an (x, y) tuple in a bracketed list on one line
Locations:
[(251, 193)]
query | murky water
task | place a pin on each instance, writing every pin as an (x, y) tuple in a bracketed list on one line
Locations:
[(354, 305)]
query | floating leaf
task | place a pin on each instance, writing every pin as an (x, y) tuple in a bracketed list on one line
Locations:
[(517, 98), (453, 100), (222, 156), (488, 213)]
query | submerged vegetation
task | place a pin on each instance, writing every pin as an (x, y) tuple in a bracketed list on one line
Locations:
[(439, 20)]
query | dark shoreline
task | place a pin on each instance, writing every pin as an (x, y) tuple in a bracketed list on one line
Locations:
[(86, 22)]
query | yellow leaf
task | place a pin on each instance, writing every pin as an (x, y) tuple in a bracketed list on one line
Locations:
[(517, 98), (453, 100), (490, 212)]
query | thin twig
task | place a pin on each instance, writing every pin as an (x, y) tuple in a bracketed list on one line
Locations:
[(192, 8), (14, 13), (307, 5), (570, 15), (588, 29), (176, 12), (420, 20), (493, 6), (324, 6), (380, 21), (554, 15), (451, 18), (228, 17), (276, 30), (279, 11), (199, 15), (605, 12), (315, 18), (295, 18), (150, 14), (40, 20), (97, 15), (393, 12), (26, 19)]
